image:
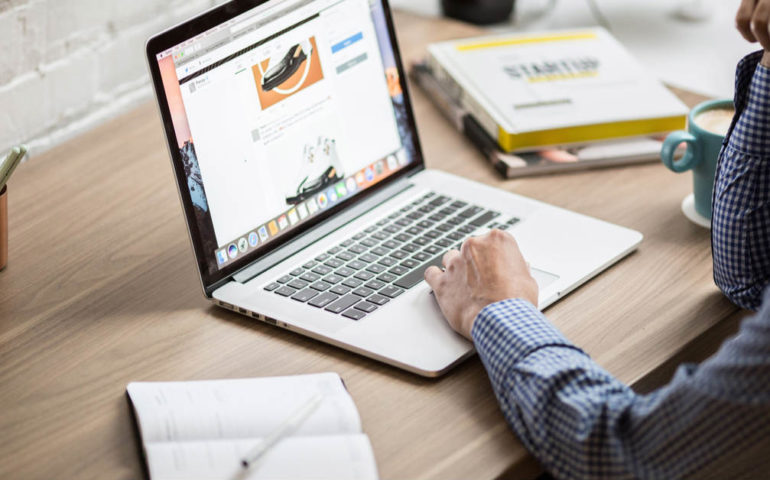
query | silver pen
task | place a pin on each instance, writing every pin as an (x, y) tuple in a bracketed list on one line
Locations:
[(289, 425)]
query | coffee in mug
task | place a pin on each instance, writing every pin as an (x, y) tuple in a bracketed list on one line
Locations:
[(715, 120)]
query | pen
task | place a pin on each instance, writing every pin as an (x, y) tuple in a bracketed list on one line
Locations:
[(290, 424), (11, 162)]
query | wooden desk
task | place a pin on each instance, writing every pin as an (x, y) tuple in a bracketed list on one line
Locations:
[(101, 290)]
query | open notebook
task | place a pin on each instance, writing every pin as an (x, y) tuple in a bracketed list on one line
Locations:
[(202, 429)]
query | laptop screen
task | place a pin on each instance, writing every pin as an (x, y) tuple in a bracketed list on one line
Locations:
[(280, 114)]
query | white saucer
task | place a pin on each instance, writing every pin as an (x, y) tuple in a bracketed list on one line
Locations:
[(688, 208)]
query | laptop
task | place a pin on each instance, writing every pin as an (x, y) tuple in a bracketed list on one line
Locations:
[(305, 191)]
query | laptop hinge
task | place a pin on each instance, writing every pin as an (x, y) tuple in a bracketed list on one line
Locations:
[(320, 231)]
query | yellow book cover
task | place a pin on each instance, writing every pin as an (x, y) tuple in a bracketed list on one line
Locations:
[(535, 90)]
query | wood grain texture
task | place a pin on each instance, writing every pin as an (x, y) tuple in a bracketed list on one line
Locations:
[(101, 290)]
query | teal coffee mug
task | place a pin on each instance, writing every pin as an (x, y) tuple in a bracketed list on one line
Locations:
[(707, 126)]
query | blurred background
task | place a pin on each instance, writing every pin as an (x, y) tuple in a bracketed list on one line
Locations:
[(69, 65)]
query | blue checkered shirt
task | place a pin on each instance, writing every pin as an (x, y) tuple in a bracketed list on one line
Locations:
[(712, 420)]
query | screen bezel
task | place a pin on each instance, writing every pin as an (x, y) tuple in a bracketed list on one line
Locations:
[(199, 24)]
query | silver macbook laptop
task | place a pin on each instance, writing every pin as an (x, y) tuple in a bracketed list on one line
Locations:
[(307, 200)]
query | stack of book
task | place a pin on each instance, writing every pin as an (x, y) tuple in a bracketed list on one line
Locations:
[(540, 103)]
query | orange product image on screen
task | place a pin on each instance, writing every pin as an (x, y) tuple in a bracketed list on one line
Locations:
[(287, 72)]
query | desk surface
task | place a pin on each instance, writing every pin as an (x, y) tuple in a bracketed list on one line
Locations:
[(101, 289)]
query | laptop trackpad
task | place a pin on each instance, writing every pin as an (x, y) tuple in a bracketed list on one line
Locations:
[(543, 279)]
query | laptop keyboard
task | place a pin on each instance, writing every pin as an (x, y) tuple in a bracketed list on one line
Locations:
[(382, 261)]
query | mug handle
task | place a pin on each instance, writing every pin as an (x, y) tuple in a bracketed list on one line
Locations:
[(691, 155)]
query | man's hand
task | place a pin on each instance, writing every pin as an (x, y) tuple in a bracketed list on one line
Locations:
[(753, 21), (486, 270)]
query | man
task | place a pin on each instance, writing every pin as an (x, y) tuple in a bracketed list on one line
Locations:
[(710, 421)]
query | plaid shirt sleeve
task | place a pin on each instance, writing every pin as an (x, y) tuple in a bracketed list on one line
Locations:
[(582, 423), (741, 204)]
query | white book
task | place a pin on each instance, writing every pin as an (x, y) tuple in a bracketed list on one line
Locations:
[(535, 90), (202, 429)]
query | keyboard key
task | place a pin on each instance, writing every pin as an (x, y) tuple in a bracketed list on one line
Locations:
[(390, 244), (402, 237), (340, 289), (323, 300), (445, 242), (376, 268), (404, 222), (392, 229), (321, 286), (272, 286), (387, 277), (322, 270), (410, 248), (332, 278), (322, 257), (304, 295), (433, 234), (334, 263), (345, 256), (414, 261), (422, 241), (285, 291), (432, 249), (399, 254), (297, 272), (347, 242), (513, 221), (310, 264), (368, 258), (426, 208), (458, 204), (366, 307), (458, 220), (345, 272), (354, 314), (364, 276), (379, 251), (334, 250), (356, 265), (297, 284), (352, 283), (370, 228), (447, 211), (417, 275), (398, 270), (378, 299), (380, 236), (445, 227), (416, 215), (363, 291), (437, 217), (471, 211), (467, 229), (285, 279), (342, 304), (440, 200), (485, 218), (387, 261), (310, 277), (357, 249), (456, 236), (425, 224), (359, 235), (375, 284), (413, 230), (369, 242), (382, 222)]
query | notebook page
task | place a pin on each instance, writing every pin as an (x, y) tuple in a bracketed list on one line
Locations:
[(333, 457), (241, 408)]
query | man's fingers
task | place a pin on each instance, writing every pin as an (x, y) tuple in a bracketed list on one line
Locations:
[(449, 257), (432, 276), (743, 19), (759, 23)]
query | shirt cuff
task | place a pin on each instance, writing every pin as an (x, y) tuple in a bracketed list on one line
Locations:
[(507, 332), (750, 134)]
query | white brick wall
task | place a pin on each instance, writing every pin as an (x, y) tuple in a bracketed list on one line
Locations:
[(68, 65)]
